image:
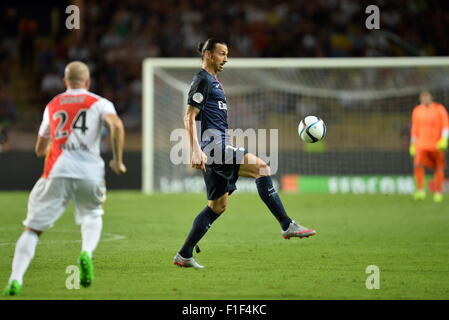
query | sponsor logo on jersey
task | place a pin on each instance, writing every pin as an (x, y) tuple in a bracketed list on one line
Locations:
[(222, 105), (73, 146)]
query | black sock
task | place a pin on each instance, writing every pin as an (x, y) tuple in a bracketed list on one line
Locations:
[(200, 226), (269, 195)]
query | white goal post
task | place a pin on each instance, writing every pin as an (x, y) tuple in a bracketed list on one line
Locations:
[(343, 90)]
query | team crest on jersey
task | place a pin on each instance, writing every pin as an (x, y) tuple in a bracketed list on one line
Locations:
[(198, 97)]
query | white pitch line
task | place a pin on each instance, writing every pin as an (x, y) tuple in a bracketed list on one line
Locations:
[(113, 237)]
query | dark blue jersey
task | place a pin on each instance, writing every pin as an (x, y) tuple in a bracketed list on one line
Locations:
[(207, 94)]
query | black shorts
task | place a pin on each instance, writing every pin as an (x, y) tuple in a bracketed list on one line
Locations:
[(221, 177)]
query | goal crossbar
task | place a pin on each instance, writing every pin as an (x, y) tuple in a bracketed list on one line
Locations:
[(151, 66)]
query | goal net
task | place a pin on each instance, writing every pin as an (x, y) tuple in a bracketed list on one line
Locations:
[(366, 104)]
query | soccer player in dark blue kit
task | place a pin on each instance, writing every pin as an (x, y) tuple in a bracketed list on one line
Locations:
[(207, 103)]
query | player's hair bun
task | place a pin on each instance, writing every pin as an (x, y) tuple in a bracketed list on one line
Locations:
[(200, 47), (209, 44)]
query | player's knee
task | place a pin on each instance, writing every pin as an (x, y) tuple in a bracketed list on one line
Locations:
[(221, 208), (264, 170), (35, 231), (218, 208)]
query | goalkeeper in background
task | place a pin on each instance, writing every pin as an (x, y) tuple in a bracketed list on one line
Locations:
[(429, 141)]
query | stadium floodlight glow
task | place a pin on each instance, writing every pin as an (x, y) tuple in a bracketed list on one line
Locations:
[(364, 102)]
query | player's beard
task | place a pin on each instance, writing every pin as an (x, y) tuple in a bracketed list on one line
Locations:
[(220, 67)]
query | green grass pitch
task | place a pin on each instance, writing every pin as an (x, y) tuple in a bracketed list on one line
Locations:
[(244, 254)]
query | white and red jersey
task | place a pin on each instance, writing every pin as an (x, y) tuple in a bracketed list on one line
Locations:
[(73, 121)]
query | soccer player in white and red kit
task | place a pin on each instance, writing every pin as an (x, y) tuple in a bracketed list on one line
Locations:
[(69, 137)]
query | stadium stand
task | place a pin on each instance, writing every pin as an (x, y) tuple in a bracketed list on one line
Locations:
[(116, 35)]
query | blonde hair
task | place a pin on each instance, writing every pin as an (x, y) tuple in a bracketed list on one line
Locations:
[(76, 73)]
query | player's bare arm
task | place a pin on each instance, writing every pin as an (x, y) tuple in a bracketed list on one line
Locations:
[(41, 147), (117, 133), (198, 157)]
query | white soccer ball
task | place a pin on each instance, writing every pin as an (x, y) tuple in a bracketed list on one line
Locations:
[(311, 129)]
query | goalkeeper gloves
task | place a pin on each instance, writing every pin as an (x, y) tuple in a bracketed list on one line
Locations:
[(412, 149), (442, 144)]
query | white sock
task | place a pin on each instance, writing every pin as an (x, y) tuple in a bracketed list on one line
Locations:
[(24, 253), (90, 234)]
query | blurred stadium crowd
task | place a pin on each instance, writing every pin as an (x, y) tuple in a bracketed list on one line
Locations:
[(116, 35)]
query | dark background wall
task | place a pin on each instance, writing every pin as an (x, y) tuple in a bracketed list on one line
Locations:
[(20, 171)]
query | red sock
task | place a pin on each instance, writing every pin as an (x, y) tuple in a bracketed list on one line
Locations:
[(439, 178), (419, 177)]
